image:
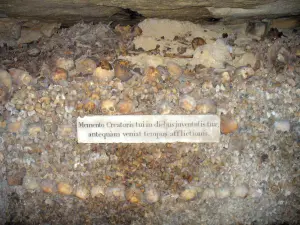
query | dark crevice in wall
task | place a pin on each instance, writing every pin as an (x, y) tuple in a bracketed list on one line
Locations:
[(126, 17), (213, 19), (133, 15)]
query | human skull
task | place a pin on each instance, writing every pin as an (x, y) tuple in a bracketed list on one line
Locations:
[(108, 107)]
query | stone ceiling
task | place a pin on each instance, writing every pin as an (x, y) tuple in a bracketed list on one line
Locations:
[(129, 10)]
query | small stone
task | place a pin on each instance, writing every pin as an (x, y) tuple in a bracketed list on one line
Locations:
[(238, 51), (123, 30), (59, 74), (35, 129), (30, 183), (69, 108), (164, 108), (207, 85), (212, 55), (85, 66), (181, 50), (64, 188), (296, 130), (95, 97), (243, 41), (122, 70), (236, 143), (49, 202), (174, 70), (198, 41), (151, 74), (152, 195), (125, 106), (65, 130), (48, 29), (4, 94), (116, 192), (90, 105), (48, 186), (186, 87), (187, 103), (29, 35), (208, 193), (16, 179), (97, 191), (136, 31), (1, 157), (282, 125), (108, 106), (244, 72), (199, 69), (15, 127), (223, 192), (20, 77), (45, 72), (65, 63), (246, 59), (3, 124), (82, 193), (255, 193), (241, 191), (103, 159), (10, 30), (256, 29), (291, 82), (119, 85), (225, 77), (133, 195), (5, 79), (228, 125), (104, 64), (122, 47), (33, 52), (206, 106), (188, 194), (163, 70), (103, 75), (29, 107)]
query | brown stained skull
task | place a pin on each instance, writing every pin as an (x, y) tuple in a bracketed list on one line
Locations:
[(108, 107)]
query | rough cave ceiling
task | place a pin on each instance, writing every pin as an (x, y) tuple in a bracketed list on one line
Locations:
[(119, 10)]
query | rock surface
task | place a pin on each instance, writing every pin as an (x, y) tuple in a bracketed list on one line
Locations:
[(46, 176), (106, 10)]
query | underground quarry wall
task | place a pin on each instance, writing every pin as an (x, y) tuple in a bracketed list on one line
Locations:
[(88, 94)]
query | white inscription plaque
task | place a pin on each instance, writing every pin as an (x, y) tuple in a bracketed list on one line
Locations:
[(148, 129)]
